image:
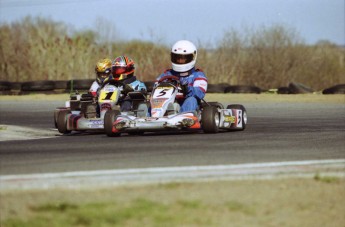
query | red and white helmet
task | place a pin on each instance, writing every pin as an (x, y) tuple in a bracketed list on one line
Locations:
[(183, 56), (123, 68)]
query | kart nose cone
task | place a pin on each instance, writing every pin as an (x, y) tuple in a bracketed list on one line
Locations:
[(188, 122), (119, 125)]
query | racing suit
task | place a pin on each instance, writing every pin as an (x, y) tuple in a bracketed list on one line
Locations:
[(196, 87), (125, 103)]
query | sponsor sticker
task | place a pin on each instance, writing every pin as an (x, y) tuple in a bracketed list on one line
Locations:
[(96, 122), (157, 103), (229, 118)]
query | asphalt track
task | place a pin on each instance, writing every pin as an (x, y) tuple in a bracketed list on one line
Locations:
[(276, 132)]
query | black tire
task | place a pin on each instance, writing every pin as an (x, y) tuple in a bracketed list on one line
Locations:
[(62, 121), (16, 86), (5, 86), (242, 89), (297, 88), (210, 119), (243, 117), (149, 85), (337, 89), (283, 90), (61, 84), (38, 86), (216, 88), (109, 118), (80, 85), (215, 104), (56, 113)]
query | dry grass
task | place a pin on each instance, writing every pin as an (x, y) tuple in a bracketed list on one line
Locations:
[(280, 202), (269, 57)]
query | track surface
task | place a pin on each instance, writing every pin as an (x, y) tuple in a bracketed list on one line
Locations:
[(275, 132)]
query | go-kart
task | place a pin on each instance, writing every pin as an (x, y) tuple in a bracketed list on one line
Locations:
[(85, 112), (165, 114)]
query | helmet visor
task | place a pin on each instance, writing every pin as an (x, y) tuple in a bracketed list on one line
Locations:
[(181, 59), (104, 74), (120, 77), (118, 70)]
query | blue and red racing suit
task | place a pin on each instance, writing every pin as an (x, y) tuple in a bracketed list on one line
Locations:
[(196, 83)]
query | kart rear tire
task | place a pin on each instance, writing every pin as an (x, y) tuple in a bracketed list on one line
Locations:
[(243, 117), (216, 104), (56, 113), (109, 118), (62, 121), (210, 119)]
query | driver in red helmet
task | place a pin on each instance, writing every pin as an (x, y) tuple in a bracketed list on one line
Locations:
[(123, 70)]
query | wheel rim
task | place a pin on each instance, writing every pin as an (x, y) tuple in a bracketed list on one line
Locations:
[(245, 117), (216, 119)]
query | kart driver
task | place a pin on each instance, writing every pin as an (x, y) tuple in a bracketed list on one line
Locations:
[(123, 70), (103, 73), (183, 59)]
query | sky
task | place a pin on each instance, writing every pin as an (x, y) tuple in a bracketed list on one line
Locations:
[(200, 21)]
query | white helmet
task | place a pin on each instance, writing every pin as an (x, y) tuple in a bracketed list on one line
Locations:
[(183, 56)]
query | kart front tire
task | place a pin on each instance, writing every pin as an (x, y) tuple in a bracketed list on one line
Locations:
[(109, 118), (62, 121), (210, 119)]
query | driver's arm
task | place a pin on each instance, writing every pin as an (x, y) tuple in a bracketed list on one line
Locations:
[(199, 87)]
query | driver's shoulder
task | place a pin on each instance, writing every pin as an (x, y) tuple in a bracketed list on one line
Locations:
[(199, 73), (167, 72)]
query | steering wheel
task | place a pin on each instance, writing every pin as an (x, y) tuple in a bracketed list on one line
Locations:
[(171, 78), (113, 82)]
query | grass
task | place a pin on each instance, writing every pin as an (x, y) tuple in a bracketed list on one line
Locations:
[(277, 202), (267, 57)]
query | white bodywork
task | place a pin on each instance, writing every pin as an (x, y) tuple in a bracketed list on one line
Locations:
[(107, 99), (165, 115)]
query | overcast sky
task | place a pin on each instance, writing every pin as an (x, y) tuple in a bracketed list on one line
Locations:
[(202, 21)]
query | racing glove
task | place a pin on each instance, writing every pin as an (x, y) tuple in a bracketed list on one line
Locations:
[(127, 88), (185, 89)]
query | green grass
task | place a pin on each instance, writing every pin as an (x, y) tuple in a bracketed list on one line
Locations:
[(314, 201), (326, 179)]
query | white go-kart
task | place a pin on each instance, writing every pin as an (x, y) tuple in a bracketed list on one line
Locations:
[(162, 113)]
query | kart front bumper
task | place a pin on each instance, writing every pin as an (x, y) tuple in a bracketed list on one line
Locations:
[(78, 123), (177, 122)]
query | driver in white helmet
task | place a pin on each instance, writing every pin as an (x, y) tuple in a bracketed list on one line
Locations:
[(183, 59)]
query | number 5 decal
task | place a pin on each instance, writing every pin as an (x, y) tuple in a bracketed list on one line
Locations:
[(239, 117)]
